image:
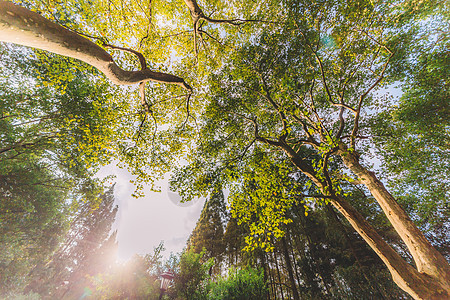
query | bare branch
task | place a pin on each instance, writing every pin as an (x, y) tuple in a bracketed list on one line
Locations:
[(188, 112), (240, 157), (326, 174), (341, 123), (143, 100), (198, 16), (137, 53), (304, 142), (374, 40), (175, 34), (281, 114), (234, 22), (212, 37), (361, 98)]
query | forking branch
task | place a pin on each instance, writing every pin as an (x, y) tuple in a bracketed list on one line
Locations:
[(198, 15), (41, 33)]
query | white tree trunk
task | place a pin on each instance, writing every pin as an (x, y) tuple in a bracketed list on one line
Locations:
[(21, 26)]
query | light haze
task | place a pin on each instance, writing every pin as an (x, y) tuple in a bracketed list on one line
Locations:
[(143, 223)]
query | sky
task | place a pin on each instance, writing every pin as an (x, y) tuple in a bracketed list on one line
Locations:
[(144, 222)]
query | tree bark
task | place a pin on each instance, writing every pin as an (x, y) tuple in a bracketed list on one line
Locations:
[(271, 279), (289, 269), (21, 26), (418, 284), (427, 259), (197, 15), (370, 281), (194, 9), (279, 276)]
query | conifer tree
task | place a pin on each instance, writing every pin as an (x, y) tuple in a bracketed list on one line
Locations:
[(89, 248), (208, 233)]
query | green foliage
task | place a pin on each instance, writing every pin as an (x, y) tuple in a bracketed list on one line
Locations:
[(65, 132), (207, 235), (190, 281), (58, 126), (44, 176), (87, 249), (413, 138), (274, 99), (242, 284), (261, 199)]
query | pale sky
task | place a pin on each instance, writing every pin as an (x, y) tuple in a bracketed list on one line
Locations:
[(143, 223)]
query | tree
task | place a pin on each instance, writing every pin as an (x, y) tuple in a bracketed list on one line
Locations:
[(240, 284), (300, 86), (411, 137), (208, 233), (338, 83), (134, 279), (266, 78), (43, 174), (190, 281), (88, 249), (311, 251), (22, 26)]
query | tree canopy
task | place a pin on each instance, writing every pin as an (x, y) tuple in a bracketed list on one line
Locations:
[(278, 101)]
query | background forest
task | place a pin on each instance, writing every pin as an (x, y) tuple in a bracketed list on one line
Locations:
[(286, 107)]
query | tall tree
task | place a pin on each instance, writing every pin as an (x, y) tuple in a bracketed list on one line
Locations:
[(44, 173), (208, 233), (190, 276), (303, 90), (411, 136), (88, 249), (299, 85), (22, 26)]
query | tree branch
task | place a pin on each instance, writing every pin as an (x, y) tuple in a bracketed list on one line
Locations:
[(21, 26), (281, 114), (137, 53), (361, 98)]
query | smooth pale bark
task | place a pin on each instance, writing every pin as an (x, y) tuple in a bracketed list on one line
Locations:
[(417, 283), (194, 9), (427, 259), (21, 26)]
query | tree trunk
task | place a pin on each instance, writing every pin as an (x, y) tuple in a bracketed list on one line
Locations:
[(21, 26), (289, 269), (419, 285), (373, 284), (291, 247), (271, 279), (264, 265), (279, 276), (194, 9), (427, 259)]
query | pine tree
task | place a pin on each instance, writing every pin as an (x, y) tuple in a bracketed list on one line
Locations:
[(88, 248), (209, 230)]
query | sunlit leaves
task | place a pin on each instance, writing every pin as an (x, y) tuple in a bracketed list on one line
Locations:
[(261, 197), (59, 125)]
